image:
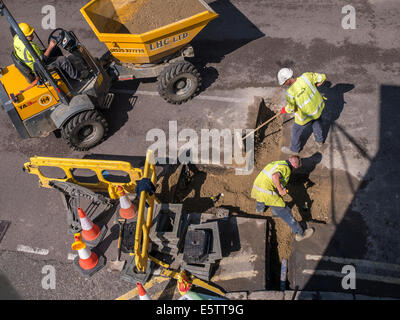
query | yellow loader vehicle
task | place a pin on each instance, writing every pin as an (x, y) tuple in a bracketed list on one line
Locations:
[(139, 47)]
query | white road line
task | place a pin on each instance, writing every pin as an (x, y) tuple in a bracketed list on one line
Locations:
[(200, 97), (357, 262), (359, 276), (28, 249)]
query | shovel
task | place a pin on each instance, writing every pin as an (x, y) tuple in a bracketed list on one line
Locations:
[(118, 265), (260, 126)]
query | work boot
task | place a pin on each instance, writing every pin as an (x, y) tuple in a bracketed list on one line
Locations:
[(307, 234), (288, 151)]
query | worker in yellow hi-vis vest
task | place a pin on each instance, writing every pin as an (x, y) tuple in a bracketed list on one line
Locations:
[(304, 99), (24, 55), (269, 188)]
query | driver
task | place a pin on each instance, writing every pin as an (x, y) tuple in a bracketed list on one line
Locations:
[(23, 54)]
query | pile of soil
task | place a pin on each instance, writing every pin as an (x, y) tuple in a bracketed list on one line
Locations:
[(204, 185), (140, 16)]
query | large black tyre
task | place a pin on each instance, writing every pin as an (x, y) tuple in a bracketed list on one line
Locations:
[(179, 82), (85, 130)]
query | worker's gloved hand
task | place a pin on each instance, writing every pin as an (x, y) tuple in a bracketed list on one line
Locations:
[(145, 184), (283, 110)]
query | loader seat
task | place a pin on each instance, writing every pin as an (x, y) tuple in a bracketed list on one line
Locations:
[(23, 68)]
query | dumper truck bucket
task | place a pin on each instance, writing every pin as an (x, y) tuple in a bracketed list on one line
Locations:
[(145, 31)]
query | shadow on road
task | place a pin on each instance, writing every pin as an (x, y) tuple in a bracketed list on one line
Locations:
[(369, 227), (7, 291), (222, 36), (334, 104)]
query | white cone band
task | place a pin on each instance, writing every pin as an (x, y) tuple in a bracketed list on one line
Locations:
[(84, 253), (145, 297), (125, 203), (86, 224)]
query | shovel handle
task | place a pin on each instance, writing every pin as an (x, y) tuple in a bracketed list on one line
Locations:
[(260, 126)]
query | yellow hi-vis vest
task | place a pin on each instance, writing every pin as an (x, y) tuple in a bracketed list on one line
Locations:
[(22, 52), (264, 189), (304, 99)]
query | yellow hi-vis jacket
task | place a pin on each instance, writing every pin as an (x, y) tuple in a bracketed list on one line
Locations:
[(22, 52), (304, 99), (264, 189)]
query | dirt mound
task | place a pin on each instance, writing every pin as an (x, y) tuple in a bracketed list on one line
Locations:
[(140, 16)]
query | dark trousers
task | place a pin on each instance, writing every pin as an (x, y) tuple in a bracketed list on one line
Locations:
[(285, 214), (65, 65), (298, 130)]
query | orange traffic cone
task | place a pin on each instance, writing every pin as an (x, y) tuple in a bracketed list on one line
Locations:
[(87, 262), (142, 292), (127, 210), (91, 232)]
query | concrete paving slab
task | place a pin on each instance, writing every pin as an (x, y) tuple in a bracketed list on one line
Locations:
[(243, 243)]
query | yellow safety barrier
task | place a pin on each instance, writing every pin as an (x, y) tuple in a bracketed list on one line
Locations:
[(143, 226), (97, 166)]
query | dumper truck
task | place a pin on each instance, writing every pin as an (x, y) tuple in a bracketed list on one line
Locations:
[(151, 39), (145, 39)]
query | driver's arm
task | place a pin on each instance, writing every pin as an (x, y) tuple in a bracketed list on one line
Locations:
[(34, 83), (51, 46)]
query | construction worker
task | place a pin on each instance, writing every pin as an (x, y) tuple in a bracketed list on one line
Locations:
[(306, 102), (269, 188), (24, 55)]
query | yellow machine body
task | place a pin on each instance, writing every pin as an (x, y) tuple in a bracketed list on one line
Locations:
[(111, 21)]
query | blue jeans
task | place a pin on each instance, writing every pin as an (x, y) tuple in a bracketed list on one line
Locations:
[(285, 214), (297, 131)]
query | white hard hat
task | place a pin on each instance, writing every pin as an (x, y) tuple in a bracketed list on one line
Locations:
[(284, 74)]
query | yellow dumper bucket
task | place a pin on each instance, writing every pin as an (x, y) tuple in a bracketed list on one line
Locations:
[(144, 31)]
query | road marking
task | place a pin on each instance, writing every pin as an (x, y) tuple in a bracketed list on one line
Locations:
[(236, 275), (134, 292), (71, 256), (359, 276), (357, 262), (200, 97), (28, 249)]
